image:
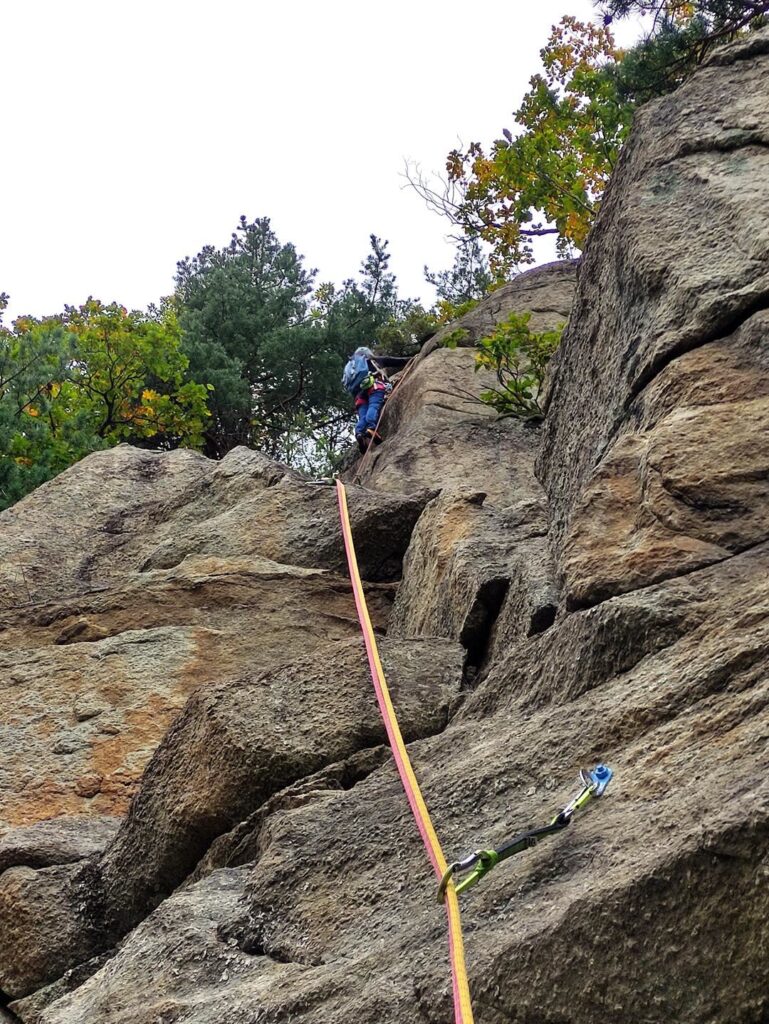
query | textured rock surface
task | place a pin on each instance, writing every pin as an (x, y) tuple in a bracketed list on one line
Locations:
[(665, 364), (687, 481), (127, 510), (84, 714), (145, 575), (471, 570), (630, 884), (56, 841), (233, 747), (302, 890), (440, 434), (643, 881), (466, 561)]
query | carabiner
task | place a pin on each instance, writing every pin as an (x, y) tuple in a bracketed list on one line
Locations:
[(480, 861)]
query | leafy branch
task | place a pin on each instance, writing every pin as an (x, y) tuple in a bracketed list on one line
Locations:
[(518, 357)]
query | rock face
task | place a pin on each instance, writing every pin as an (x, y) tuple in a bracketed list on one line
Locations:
[(668, 472), (145, 575), (597, 589), (440, 434)]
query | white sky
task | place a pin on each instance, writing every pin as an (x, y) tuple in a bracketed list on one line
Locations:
[(134, 133)]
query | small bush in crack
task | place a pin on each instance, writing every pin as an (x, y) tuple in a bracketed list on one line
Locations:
[(518, 357)]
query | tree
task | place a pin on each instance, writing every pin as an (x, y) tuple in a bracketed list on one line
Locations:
[(240, 310), (273, 349), (32, 363), (368, 310), (469, 277), (681, 36), (87, 379), (719, 19), (127, 377), (546, 178)]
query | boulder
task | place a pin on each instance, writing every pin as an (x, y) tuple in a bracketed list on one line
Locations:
[(122, 511), (546, 292), (686, 483), (233, 747), (137, 576), (186, 925)]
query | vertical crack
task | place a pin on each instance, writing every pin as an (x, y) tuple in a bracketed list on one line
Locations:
[(476, 632)]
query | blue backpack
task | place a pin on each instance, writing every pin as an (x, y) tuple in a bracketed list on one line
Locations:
[(355, 373)]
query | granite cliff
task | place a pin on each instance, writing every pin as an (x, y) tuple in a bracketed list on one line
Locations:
[(199, 819)]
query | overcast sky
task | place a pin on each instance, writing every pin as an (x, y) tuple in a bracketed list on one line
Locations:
[(135, 133)]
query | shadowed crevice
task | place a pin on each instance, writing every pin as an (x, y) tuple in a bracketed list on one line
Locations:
[(7, 1016), (542, 619), (476, 632)]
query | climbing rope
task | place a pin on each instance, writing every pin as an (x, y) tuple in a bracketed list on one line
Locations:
[(480, 862), (463, 1012)]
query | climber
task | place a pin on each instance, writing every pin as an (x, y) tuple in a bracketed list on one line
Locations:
[(364, 378)]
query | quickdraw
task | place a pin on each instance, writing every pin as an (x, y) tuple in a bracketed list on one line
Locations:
[(480, 862)]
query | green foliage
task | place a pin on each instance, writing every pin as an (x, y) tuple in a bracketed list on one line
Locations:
[(31, 364), (244, 319), (126, 381), (244, 315), (404, 334), (88, 379), (369, 311), (682, 36), (455, 338), (719, 19), (447, 312), (518, 357), (469, 278), (274, 349)]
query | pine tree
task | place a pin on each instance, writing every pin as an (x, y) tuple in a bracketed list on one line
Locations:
[(469, 278)]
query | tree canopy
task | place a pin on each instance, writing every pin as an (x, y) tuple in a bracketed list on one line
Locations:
[(87, 379), (273, 346), (244, 314), (546, 174)]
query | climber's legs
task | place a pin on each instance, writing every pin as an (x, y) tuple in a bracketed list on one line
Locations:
[(375, 403), (360, 425), (362, 411)]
